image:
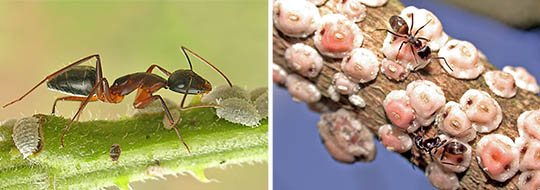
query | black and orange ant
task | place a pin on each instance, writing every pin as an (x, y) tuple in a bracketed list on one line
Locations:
[(401, 29), (87, 84), (435, 143)]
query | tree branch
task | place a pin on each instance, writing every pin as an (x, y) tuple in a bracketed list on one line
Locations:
[(374, 92)]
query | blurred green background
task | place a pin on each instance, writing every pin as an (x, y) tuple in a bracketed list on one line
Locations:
[(38, 38)]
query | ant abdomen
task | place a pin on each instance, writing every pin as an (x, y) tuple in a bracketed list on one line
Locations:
[(77, 81)]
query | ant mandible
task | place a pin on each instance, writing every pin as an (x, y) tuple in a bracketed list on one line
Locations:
[(402, 30), (87, 84)]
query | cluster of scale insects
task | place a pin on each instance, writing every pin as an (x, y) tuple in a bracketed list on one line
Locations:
[(87, 84), (336, 35)]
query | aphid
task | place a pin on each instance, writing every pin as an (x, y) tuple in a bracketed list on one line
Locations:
[(401, 30), (361, 65), (463, 59), (441, 178), (238, 110), (399, 111), (454, 155), (115, 152), (301, 89), (87, 84), (426, 98), (336, 36), (304, 60), (453, 121), (394, 139), (27, 136), (346, 139), (295, 18), (529, 180), (524, 79), (498, 156), (529, 150), (528, 124), (223, 92), (482, 110), (501, 83)]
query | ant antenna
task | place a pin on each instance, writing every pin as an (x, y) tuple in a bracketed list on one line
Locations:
[(184, 49)]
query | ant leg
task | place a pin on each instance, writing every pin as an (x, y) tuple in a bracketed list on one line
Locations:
[(399, 50), (412, 23), (421, 27), (444, 59), (414, 55), (422, 38), (184, 49), (71, 98), (393, 33), (99, 75), (142, 102), (83, 105), (164, 71)]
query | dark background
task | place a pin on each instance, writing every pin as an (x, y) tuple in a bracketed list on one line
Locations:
[(302, 162)]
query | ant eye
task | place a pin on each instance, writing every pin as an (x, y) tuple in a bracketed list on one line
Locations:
[(295, 18), (498, 156), (524, 79), (426, 98), (482, 110), (304, 60), (501, 83), (528, 124), (336, 36)]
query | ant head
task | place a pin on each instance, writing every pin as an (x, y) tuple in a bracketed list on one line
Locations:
[(424, 52), (179, 81), (399, 25)]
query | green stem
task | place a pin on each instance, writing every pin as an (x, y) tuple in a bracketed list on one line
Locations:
[(148, 150)]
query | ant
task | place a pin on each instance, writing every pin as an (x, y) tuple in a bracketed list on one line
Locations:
[(87, 84), (428, 145), (402, 30)]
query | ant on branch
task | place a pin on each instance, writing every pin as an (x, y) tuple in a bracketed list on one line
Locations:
[(430, 144), (401, 29), (87, 84)]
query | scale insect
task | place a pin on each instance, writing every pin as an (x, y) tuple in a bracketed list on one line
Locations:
[(401, 29), (87, 84)]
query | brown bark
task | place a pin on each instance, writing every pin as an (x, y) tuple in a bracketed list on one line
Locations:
[(373, 114)]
